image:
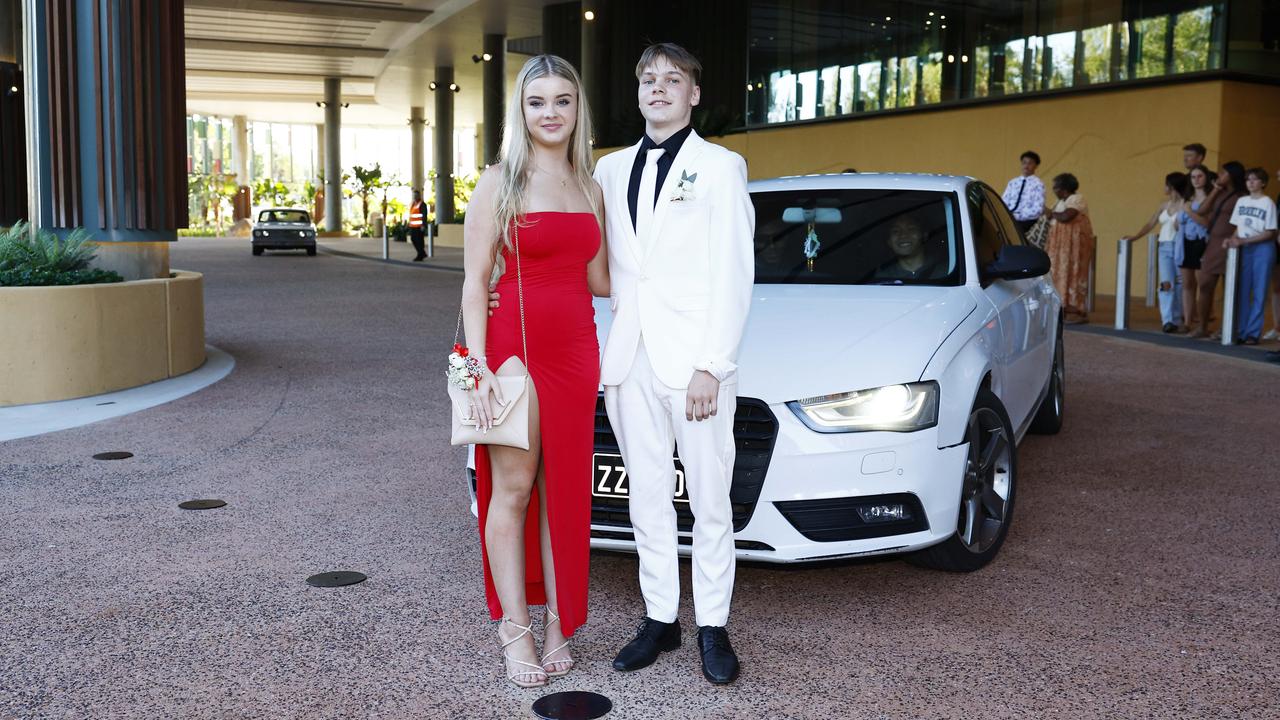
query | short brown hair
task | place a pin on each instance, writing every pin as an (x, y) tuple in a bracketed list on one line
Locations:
[(1196, 148), (684, 60), (1259, 173)]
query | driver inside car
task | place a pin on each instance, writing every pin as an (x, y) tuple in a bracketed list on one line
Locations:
[(912, 260)]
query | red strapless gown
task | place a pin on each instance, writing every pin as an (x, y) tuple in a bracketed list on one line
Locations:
[(564, 363)]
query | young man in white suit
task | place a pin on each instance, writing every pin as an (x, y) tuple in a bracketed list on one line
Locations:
[(681, 261)]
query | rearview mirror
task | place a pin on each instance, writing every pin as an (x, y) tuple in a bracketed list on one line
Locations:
[(817, 216), (1017, 262)]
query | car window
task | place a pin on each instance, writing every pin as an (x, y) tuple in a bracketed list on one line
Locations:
[(987, 238), (845, 236), (286, 216), (1011, 234)]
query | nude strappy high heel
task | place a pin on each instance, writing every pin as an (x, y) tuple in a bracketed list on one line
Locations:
[(545, 662), (516, 677)]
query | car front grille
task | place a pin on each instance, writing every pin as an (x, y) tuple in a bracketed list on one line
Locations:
[(837, 519), (754, 431)]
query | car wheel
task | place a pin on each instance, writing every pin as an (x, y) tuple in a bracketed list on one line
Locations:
[(986, 495), (311, 252), (257, 251), (1048, 419)]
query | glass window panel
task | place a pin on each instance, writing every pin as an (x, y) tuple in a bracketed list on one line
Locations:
[(846, 89), (869, 86), (982, 71), (1150, 46), (1013, 57), (830, 90), (931, 79), (891, 83), (1033, 68), (260, 132), (807, 95), (782, 96), (1060, 57), (1097, 54), (907, 68), (1192, 40)]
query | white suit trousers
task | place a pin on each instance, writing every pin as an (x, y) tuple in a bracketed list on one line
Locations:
[(648, 418)]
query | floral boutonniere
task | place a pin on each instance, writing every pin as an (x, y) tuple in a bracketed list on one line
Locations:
[(684, 188)]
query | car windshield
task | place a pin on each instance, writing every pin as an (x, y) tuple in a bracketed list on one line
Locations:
[(284, 216), (841, 236)]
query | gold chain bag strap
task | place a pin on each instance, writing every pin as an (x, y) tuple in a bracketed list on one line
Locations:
[(511, 424)]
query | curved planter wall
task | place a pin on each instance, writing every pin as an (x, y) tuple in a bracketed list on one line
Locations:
[(58, 343)]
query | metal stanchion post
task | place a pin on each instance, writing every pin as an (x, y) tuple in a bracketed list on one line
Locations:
[(1230, 279), (1122, 284), (1153, 274), (431, 240), (386, 252)]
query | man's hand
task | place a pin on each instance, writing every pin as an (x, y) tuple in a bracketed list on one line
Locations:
[(700, 399), (493, 302)]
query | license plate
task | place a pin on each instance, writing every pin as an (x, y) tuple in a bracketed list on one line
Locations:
[(611, 480)]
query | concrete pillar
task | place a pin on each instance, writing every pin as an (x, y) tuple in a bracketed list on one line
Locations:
[(443, 133), (333, 154), (241, 168), (114, 167), (592, 68), (417, 125), (495, 97)]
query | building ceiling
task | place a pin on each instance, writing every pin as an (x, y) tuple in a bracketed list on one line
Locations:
[(267, 59)]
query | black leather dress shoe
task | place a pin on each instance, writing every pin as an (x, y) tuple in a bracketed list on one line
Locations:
[(652, 639), (719, 662)]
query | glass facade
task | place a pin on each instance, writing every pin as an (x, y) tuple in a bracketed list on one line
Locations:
[(811, 59)]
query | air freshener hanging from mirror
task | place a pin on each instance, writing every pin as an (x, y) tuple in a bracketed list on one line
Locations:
[(811, 246)]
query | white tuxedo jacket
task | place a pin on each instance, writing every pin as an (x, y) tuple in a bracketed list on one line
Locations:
[(687, 287)]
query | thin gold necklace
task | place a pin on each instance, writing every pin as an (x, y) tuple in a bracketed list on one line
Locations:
[(563, 181)]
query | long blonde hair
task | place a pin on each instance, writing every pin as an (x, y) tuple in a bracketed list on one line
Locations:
[(517, 151)]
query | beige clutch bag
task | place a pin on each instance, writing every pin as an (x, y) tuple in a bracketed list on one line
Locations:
[(511, 425)]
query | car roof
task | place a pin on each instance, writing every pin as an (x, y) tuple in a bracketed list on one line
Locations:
[(863, 181), (280, 209)]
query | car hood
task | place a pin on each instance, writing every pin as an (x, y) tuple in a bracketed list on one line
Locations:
[(283, 226), (807, 340)]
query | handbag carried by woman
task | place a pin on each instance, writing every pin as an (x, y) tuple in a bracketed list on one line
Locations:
[(511, 423)]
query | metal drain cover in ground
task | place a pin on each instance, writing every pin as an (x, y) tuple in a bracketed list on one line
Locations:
[(574, 705), (114, 455), (336, 579), (202, 504)]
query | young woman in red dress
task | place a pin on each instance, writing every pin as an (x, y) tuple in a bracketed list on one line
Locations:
[(540, 197)]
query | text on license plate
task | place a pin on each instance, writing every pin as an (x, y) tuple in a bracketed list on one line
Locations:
[(610, 479)]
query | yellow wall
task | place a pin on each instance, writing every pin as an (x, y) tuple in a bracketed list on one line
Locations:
[(1120, 144), (75, 341)]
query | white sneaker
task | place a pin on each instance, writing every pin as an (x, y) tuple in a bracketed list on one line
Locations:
[(1271, 334)]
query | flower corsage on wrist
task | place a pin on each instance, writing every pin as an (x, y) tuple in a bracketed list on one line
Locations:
[(464, 370)]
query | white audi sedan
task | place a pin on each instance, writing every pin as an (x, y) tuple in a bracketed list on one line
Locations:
[(902, 339)]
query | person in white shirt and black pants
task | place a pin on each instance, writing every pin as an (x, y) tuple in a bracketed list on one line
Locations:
[(1024, 195)]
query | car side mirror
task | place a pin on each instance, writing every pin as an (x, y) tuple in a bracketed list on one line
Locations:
[(1017, 262)]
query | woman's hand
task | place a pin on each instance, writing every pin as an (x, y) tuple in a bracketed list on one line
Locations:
[(486, 399)]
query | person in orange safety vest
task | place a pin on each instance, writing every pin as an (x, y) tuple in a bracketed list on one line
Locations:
[(417, 223)]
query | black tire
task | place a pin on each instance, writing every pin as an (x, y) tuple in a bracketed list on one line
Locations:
[(257, 251), (311, 252), (974, 545), (1048, 419)]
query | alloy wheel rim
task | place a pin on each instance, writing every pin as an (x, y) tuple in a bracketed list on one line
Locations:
[(988, 482)]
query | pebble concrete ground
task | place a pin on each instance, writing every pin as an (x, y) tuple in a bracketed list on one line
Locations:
[(1140, 578)]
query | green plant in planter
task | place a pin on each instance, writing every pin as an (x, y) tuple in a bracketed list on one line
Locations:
[(43, 258)]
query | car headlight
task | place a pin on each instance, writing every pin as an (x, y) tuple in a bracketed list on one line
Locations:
[(894, 408)]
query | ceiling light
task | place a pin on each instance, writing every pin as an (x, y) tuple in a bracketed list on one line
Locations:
[(432, 86), (589, 15), (964, 58), (930, 13), (944, 27), (750, 87), (887, 18), (454, 87), (951, 58)]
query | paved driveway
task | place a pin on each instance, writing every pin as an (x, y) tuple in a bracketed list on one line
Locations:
[(1140, 578)]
